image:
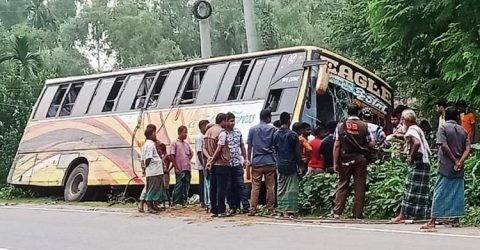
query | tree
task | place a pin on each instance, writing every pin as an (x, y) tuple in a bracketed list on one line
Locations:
[(61, 10), (139, 38), (12, 12), (437, 42), (39, 16), (27, 62), (267, 26)]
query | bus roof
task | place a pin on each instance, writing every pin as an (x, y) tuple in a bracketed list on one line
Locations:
[(149, 68)]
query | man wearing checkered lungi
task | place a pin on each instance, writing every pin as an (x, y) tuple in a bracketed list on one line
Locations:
[(415, 202)]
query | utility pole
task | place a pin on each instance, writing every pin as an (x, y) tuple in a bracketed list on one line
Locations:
[(202, 9), (250, 28), (205, 42)]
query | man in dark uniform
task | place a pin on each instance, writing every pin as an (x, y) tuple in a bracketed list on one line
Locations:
[(352, 140)]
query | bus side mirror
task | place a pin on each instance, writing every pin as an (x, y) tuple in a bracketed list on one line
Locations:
[(322, 79)]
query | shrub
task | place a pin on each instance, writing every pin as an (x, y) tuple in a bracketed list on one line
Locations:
[(385, 188), (12, 192), (316, 194)]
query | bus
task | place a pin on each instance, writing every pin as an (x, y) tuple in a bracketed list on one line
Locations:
[(87, 131)]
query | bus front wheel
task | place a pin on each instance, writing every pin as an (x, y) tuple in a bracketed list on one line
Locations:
[(76, 185)]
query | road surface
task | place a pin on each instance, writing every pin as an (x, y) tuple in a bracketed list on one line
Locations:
[(27, 227)]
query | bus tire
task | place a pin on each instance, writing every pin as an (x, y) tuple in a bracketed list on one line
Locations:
[(76, 185)]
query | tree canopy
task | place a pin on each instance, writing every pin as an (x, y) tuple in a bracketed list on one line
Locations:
[(424, 49)]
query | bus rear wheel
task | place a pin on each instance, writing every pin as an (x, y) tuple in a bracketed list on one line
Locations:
[(76, 185)]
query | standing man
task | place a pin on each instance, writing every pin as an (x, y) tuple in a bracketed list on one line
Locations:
[(167, 168), (237, 192), (467, 120), (200, 163), (287, 152), (307, 131), (305, 148), (260, 154), (449, 192), (398, 127), (327, 147), (440, 108), (182, 154), (316, 164), (396, 119), (218, 163), (153, 170), (376, 131), (416, 196), (352, 140)]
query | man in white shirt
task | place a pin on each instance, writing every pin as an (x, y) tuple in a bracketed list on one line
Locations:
[(440, 108), (199, 164), (378, 135), (416, 198), (153, 169)]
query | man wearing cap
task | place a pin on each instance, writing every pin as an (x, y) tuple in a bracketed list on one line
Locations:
[(378, 135)]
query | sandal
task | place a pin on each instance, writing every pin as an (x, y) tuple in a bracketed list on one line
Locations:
[(456, 224), (427, 226), (397, 221), (152, 211)]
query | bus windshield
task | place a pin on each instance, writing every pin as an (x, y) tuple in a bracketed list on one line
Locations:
[(348, 84)]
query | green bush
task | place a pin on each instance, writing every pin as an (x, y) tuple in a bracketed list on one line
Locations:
[(385, 188), (472, 216), (12, 192), (316, 194), (472, 181)]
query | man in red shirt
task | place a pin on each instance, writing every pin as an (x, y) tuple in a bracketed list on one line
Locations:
[(316, 164)]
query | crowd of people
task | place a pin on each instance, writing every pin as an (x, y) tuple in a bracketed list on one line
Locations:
[(280, 155)]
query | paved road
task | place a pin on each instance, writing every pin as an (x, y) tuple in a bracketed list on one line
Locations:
[(32, 228)]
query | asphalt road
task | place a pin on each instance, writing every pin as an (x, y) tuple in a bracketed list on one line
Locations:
[(44, 228)]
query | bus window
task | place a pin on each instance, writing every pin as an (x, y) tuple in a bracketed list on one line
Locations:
[(100, 96), (273, 99), (310, 110), (253, 79), (44, 104), (84, 97), (57, 101), (113, 95), (140, 87), (133, 86), (239, 81), (263, 83), (70, 99), (211, 82), (172, 83), (233, 81), (155, 92), (192, 85), (280, 100)]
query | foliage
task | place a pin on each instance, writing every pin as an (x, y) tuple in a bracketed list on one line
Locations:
[(385, 189), (11, 192), (316, 194), (385, 183), (27, 63), (267, 27), (39, 15), (472, 217), (472, 180), (437, 42)]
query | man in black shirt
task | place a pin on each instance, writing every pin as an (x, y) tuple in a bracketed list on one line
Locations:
[(327, 147)]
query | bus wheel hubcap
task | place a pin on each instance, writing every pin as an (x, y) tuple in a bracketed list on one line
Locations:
[(77, 184)]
